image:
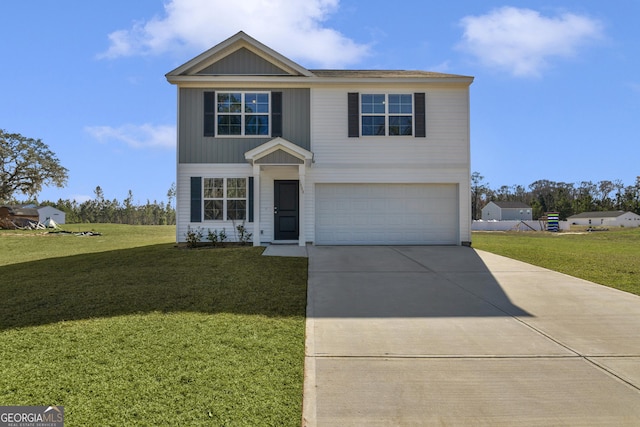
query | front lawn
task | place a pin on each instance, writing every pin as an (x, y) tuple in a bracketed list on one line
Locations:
[(127, 329), (611, 258)]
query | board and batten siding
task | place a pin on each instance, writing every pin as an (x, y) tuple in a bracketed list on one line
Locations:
[(194, 147), (242, 62)]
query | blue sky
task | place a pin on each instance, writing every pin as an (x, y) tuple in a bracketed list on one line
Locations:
[(556, 93)]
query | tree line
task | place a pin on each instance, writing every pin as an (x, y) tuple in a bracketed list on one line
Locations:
[(28, 164), (101, 210), (565, 198)]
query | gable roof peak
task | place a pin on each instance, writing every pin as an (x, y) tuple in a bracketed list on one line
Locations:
[(232, 44)]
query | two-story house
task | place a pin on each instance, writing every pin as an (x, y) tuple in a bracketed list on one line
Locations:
[(345, 157), (507, 211)]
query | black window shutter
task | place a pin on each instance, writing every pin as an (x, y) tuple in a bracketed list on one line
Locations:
[(196, 199), (276, 114), (420, 115), (250, 199), (353, 114), (209, 114)]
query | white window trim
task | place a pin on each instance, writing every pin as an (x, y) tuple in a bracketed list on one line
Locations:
[(243, 114), (225, 199), (387, 114)]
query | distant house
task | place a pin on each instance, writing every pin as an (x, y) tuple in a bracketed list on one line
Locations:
[(609, 219), (49, 212), (12, 217), (506, 211)]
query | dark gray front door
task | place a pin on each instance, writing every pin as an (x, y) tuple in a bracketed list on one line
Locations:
[(286, 210)]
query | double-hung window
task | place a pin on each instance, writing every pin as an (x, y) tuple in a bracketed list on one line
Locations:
[(386, 114), (243, 113), (225, 199)]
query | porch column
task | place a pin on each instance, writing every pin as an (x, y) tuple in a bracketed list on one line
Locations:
[(302, 170), (256, 205)]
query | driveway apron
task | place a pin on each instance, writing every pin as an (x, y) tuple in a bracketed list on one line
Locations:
[(447, 335)]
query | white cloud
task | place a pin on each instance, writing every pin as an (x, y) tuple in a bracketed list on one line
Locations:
[(142, 136), (291, 27), (522, 41)]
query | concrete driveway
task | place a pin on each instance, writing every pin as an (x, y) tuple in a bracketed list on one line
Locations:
[(410, 336)]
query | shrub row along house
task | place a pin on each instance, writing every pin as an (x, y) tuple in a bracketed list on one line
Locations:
[(322, 156)]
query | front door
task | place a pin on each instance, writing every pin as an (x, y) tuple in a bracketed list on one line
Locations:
[(286, 210)]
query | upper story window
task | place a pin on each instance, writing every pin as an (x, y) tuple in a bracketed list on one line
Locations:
[(242, 113), (386, 114)]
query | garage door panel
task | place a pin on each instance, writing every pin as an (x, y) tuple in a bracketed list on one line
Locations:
[(386, 214)]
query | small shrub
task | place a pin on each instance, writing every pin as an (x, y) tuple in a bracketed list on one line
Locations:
[(193, 236), (243, 234), (212, 236), (222, 236)]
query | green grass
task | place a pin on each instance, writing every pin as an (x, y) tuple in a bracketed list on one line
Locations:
[(127, 329), (611, 258)]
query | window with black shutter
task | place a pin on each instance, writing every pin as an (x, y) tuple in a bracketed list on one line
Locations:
[(209, 114), (276, 114), (196, 199), (353, 105), (420, 115)]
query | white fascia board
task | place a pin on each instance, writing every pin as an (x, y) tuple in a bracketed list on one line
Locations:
[(204, 81), (278, 144)]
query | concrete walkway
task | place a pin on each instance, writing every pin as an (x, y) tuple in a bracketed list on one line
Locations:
[(412, 336), (286, 251)]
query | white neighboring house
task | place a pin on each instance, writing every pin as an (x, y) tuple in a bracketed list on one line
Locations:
[(346, 157), (506, 211), (46, 212), (609, 219)]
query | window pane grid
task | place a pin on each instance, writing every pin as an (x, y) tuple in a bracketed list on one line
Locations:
[(243, 113), (400, 125), (229, 102), (373, 125), (400, 104), (236, 209), (213, 210), (213, 188), (387, 114), (257, 125), (373, 104), (225, 199)]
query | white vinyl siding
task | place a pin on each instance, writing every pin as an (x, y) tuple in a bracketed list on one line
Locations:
[(447, 129), (374, 214), (183, 202), (439, 160)]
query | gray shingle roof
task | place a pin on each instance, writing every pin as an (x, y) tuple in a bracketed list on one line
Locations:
[(512, 205), (609, 214), (383, 74)]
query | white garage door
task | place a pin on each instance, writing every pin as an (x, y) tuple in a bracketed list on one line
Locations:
[(384, 214)]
